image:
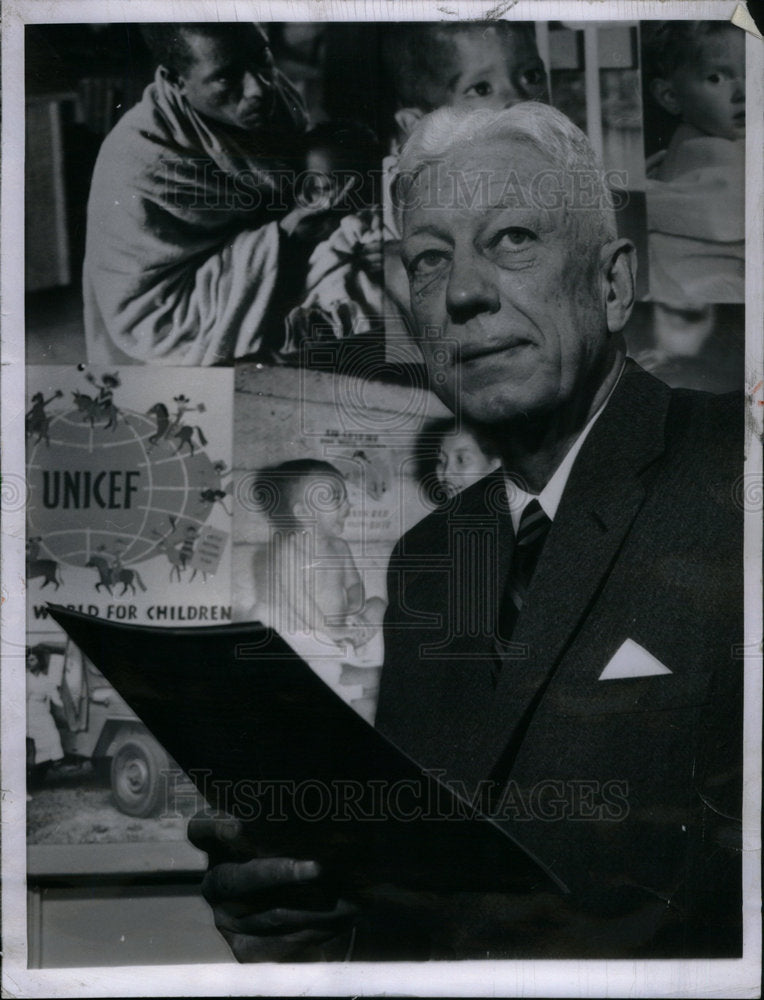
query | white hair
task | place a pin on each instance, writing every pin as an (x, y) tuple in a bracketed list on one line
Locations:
[(562, 143)]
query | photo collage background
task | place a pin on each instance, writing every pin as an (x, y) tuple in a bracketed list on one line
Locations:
[(330, 394)]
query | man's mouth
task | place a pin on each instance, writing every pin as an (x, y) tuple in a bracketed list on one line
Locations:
[(739, 118), (252, 114), (467, 354)]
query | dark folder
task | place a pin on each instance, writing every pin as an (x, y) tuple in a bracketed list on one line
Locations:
[(264, 739)]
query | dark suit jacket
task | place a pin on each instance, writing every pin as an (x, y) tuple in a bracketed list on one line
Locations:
[(625, 791)]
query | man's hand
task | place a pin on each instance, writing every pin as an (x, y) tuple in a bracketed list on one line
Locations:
[(269, 909)]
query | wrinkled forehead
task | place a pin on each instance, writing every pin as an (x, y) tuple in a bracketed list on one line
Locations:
[(476, 179)]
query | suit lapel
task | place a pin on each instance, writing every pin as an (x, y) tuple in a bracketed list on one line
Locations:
[(601, 499), (453, 664)]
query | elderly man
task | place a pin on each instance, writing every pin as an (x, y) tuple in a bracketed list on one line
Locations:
[(192, 237), (563, 631)]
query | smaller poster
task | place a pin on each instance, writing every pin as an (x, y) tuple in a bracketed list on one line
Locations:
[(320, 501)]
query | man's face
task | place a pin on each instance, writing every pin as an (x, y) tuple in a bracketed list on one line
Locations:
[(495, 70), (508, 301), (230, 80), (711, 92)]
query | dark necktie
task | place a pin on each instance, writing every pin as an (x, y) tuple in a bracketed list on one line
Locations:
[(531, 534)]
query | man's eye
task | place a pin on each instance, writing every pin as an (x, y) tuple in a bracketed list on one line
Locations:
[(481, 89), (513, 239), (426, 263), (714, 78)]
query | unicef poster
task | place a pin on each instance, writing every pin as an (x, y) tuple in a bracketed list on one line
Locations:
[(128, 519), (129, 512)]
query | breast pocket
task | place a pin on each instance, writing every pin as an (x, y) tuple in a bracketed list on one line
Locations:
[(656, 693)]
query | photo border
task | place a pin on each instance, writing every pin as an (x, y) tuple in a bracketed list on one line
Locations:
[(707, 977)]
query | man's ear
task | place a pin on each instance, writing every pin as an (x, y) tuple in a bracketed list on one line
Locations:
[(618, 266), (663, 93), (406, 119)]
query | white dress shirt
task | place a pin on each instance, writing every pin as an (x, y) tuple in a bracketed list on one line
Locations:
[(550, 496)]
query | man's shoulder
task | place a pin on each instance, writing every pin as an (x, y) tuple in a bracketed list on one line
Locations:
[(143, 130), (708, 426), (684, 447), (484, 501), (688, 420)]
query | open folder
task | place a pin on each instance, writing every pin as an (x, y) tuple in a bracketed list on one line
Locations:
[(264, 739)]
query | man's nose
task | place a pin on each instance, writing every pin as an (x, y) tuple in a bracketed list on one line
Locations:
[(738, 89), (471, 289), (252, 85)]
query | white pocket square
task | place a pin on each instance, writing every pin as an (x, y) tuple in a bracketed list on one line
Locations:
[(632, 660)]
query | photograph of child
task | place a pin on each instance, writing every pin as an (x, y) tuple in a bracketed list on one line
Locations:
[(694, 74), (343, 289), (314, 595)]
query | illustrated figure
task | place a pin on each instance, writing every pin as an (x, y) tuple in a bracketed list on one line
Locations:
[(211, 496), (174, 429), (37, 420), (111, 575), (104, 402), (170, 544), (179, 544)]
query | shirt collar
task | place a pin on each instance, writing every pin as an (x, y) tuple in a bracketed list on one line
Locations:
[(550, 496)]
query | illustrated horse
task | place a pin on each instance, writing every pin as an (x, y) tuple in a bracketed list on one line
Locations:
[(165, 429), (186, 435), (35, 566), (95, 409), (109, 577)]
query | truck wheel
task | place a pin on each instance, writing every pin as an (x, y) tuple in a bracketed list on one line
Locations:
[(136, 776)]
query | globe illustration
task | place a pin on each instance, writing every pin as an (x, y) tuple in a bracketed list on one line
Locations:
[(99, 489)]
